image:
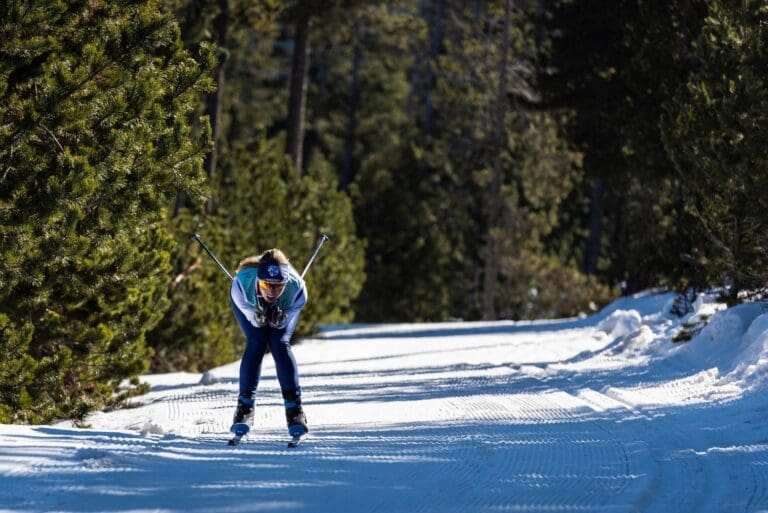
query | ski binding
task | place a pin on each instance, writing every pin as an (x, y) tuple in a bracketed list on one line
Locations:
[(240, 430), (296, 440)]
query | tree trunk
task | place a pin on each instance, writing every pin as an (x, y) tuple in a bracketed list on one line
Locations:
[(215, 99), (297, 101), (592, 249), (734, 274), (421, 76), (212, 107), (494, 189), (435, 41), (347, 172)]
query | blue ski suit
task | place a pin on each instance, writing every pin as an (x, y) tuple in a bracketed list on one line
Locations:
[(246, 302)]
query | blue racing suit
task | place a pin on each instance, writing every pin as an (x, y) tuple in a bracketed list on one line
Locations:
[(246, 302)]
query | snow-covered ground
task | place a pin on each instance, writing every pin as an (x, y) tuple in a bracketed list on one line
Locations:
[(601, 414)]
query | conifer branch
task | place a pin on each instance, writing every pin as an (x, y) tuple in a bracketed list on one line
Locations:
[(53, 137), (185, 273)]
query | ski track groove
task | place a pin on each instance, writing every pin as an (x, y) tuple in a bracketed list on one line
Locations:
[(193, 409), (541, 459), (758, 500), (586, 465), (453, 431)]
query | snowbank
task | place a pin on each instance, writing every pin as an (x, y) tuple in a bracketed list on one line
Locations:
[(621, 323)]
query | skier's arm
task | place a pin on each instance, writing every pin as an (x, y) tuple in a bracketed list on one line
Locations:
[(292, 313), (241, 302)]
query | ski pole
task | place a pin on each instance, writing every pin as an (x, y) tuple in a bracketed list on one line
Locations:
[(196, 237), (312, 258)]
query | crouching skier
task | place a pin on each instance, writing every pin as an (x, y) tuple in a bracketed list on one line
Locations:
[(267, 296)]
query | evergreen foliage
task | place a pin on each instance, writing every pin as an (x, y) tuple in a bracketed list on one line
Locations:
[(17, 369), (268, 203), (405, 110), (660, 36), (611, 68), (196, 332), (469, 160), (714, 133), (536, 168), (361, 110), (259, 201), (95, 100)]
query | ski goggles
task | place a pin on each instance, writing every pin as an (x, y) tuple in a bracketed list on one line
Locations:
[(271, 286)]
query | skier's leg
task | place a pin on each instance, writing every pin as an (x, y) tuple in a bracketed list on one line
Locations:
[(250, 365), (288, 376), (285, 362)]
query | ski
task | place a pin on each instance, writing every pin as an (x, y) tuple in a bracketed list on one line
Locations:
[(295, 440), (240, 429), (235, 440)]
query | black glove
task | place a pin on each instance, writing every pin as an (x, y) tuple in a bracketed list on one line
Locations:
[(260, 315), (277, 318)]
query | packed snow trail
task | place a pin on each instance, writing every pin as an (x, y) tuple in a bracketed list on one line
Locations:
[(596, 414)]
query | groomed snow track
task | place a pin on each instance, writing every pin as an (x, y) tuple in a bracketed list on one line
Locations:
[(520, 418)]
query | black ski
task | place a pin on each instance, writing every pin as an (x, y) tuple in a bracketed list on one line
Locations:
[(240, 429), (235, 440), (295, 441)]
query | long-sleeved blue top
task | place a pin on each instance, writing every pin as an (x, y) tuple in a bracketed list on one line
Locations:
[(247, 299)]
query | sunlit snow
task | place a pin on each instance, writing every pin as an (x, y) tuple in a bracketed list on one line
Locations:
[(603, 413)]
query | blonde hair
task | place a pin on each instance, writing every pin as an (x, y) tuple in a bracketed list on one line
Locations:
[(270, 256)]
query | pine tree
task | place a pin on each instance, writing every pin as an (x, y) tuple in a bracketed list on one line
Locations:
[(95, 98), (263, 200), (17, 369), (259, 200), (714, 133), (405, 110), (611, 67), (360, 113), (271, 204), (197, 332), (509, 158), (660, 37), (584, 53)]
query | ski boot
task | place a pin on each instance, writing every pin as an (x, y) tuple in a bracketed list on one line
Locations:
[(297, 421), (294, 414), (297, 424), (243, 418)]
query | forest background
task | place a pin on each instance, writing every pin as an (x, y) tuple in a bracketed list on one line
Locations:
[(468, 159)]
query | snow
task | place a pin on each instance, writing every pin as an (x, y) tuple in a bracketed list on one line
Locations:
[(601, 413)]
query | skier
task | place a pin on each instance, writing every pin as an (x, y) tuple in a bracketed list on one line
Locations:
[(267, 296)]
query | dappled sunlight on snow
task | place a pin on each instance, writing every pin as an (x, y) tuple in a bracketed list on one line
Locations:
[(604, 413)]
